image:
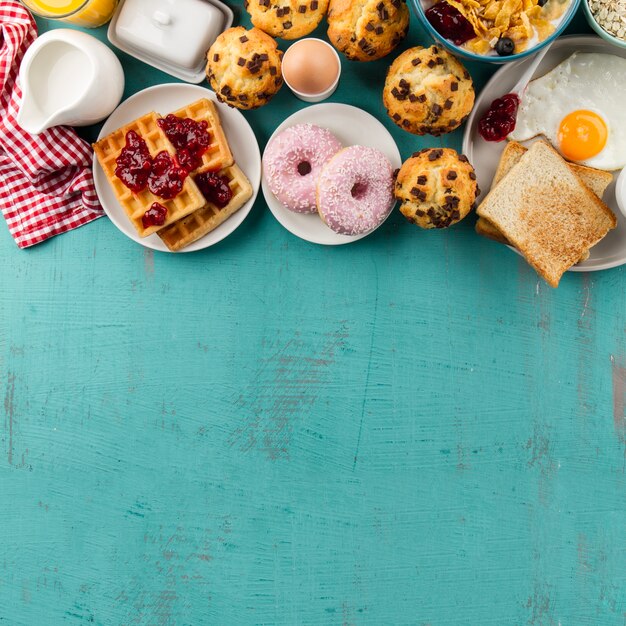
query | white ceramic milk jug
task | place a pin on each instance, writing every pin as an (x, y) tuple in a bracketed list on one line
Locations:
[(68, 77)]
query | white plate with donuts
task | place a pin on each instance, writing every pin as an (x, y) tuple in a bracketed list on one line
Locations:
[(352, 126)]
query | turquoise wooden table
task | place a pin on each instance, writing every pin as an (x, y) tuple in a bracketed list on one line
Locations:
[(412, 429)]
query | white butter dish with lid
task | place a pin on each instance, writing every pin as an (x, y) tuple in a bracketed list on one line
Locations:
[(171, 35)]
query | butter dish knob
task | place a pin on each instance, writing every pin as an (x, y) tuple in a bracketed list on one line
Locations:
[(162, 18)]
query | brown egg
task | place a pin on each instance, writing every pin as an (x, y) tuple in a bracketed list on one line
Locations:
[(310, 66)]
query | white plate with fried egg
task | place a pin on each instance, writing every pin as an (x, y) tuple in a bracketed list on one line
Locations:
[(565, 89)]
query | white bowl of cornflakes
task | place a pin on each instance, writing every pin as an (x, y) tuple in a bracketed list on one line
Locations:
[(496, 31)]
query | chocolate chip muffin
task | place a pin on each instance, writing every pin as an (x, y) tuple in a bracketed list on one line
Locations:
[(428, 91), (244, 67), (289, 19), (436, 188), (366, 30)]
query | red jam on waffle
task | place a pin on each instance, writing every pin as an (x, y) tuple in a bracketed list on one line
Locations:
[(214, 188), (190, 138), (164, 175), (138, 170), (154, 216), (134, 163), (166, 178)]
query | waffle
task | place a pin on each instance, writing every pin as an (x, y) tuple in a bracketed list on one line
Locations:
[(204, 220), (136, 204), (218, 155)]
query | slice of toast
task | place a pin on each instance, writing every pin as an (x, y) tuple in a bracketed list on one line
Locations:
[(547, 212), (596, 180)]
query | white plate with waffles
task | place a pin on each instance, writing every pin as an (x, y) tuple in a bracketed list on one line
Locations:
[(165, 99), (485, 155), (352, 126)]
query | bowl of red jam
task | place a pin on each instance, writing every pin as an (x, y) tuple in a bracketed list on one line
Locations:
[(448, 26)]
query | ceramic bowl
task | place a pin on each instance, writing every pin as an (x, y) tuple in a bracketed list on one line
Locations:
[(566, 18), (620, 43)]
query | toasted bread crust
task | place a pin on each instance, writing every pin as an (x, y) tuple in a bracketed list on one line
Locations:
[(485, 228)]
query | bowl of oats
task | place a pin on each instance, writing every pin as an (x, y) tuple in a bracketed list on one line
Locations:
[(496, 31), (608, 19)]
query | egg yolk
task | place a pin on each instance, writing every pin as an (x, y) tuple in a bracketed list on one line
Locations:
[(582, 135)]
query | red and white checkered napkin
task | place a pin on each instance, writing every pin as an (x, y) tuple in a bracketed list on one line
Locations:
[(46, 184)]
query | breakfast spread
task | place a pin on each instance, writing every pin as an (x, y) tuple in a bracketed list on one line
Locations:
[(559, 136), (428, 91), (579, 107), (436, 188), (488, 27), (311, 69), (293, 162), (287, 19), (366, 30), (164, 169), (544, 209), (244, 67)]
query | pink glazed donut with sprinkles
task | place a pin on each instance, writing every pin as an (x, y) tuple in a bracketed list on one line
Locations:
[(293, 161), (355, 191)]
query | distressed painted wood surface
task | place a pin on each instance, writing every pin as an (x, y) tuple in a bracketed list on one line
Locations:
[(412, 429)]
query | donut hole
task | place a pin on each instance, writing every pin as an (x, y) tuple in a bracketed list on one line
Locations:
[(304, 168), (359, 189)]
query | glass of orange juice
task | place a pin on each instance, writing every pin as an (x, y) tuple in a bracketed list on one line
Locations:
[(88, 13)]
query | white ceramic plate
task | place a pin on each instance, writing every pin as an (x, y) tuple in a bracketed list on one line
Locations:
[(485, 155), (352, 126), (165, 99)]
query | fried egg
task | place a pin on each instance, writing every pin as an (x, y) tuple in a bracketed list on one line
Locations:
[(580, 107)]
